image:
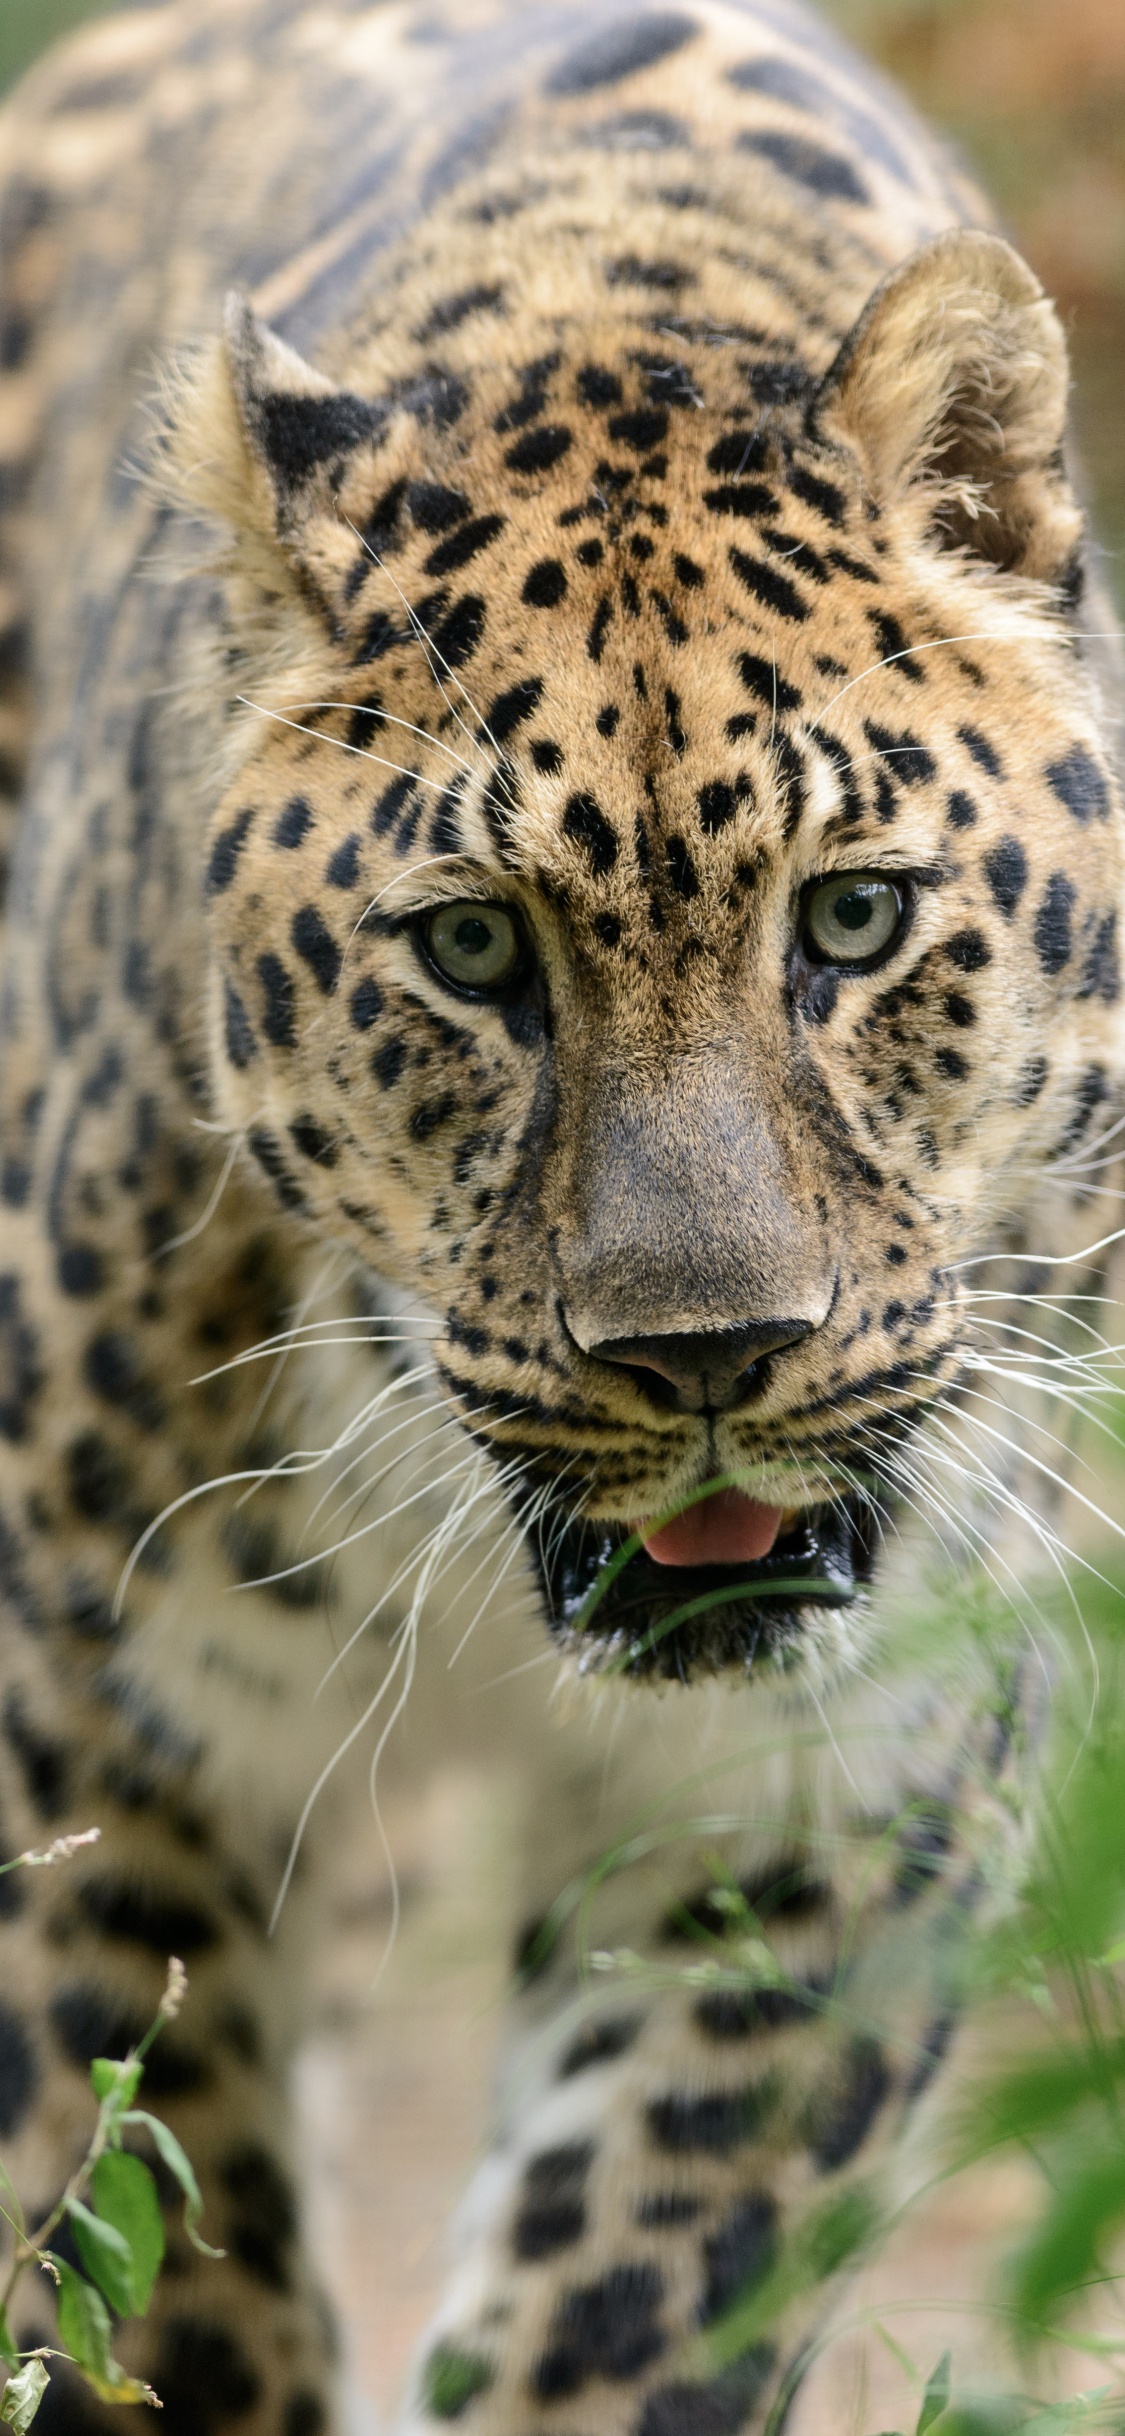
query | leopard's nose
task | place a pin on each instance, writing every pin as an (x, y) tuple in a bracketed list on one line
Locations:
[(697, 1373)]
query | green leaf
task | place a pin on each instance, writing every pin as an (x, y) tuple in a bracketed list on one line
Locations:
[(106, 2256), (8, 2353), (22, 2396), (85, 2332), (109, 2080), (936, 2396), (125, 2197), (179, 2165)]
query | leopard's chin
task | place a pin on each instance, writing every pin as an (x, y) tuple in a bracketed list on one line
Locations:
[(640, 1619)]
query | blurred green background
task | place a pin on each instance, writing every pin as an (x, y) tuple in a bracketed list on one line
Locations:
[(1034, 93)]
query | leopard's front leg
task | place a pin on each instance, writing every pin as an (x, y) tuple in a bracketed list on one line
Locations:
[(697, 2137), (246, 2340)]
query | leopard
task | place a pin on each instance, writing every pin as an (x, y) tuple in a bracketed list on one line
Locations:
[(558, 716)]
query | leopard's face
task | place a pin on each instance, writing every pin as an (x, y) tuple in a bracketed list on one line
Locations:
[(668, 942)]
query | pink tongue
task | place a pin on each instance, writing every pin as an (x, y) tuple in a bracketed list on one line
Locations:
[(727, 1529)]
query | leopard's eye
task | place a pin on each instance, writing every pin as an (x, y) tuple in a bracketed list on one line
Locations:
[(852, 918), (475, 946)]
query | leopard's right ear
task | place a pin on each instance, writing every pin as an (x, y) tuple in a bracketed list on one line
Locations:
[(260, 440)]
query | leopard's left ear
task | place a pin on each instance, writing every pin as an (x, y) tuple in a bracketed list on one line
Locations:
[(953, 385), (259, 439)]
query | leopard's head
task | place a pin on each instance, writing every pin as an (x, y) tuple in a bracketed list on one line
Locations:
[(664, 908)]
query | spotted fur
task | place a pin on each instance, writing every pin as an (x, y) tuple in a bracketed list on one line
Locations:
[(630, 486)]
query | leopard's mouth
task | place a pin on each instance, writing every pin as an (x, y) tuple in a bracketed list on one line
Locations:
[(631, 1615)]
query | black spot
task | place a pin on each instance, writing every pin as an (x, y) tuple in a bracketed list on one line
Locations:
[(300, 433), (740, 499), (166, 1924), (434, 508), (1079, 784), (464, 545), (114, 1370), (89, 2021), (608, 720), (687, 573), (924, 1843), (545, 584), (203, 2377), (293, 823), (586, 823), (510, 709), (597, 387), (712, 2125), (717, 805), (343, 869), (984, 754), (660, 2208), (540, 449), (225, 854), (740, 2255), (608, 2329), (681, 869), (552, 2211), (528, 404), (641, 430), (429, 1118), (1101, 973), (739, 2013), (265, 1148), (238, 1030), (547, 756), (391, 803), (968, 950), (19, 2071), (1032, 1079), (601, 2043), (1005, 869), (761, 679), (739, 452), (1052, 923), (315, 943), (388, 1062), (263, 2219), (721, 2408), (80, 1269), (894, 646), (672, 623), (622, 49), (450, 311), (456, 639), (768, 586), (841, 2117), (608, 929), (304, 2415), (279, 996), (961, 811), (20, 1375), (907, 757), (313, 1142), (959, 1010), (366, 720), (673, 722), (628, 271), (97, 1478), (825, 173), (589, 553), (828, 501)]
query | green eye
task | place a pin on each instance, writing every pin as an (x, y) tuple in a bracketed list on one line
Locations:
[(853, 918), (475, 946)]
